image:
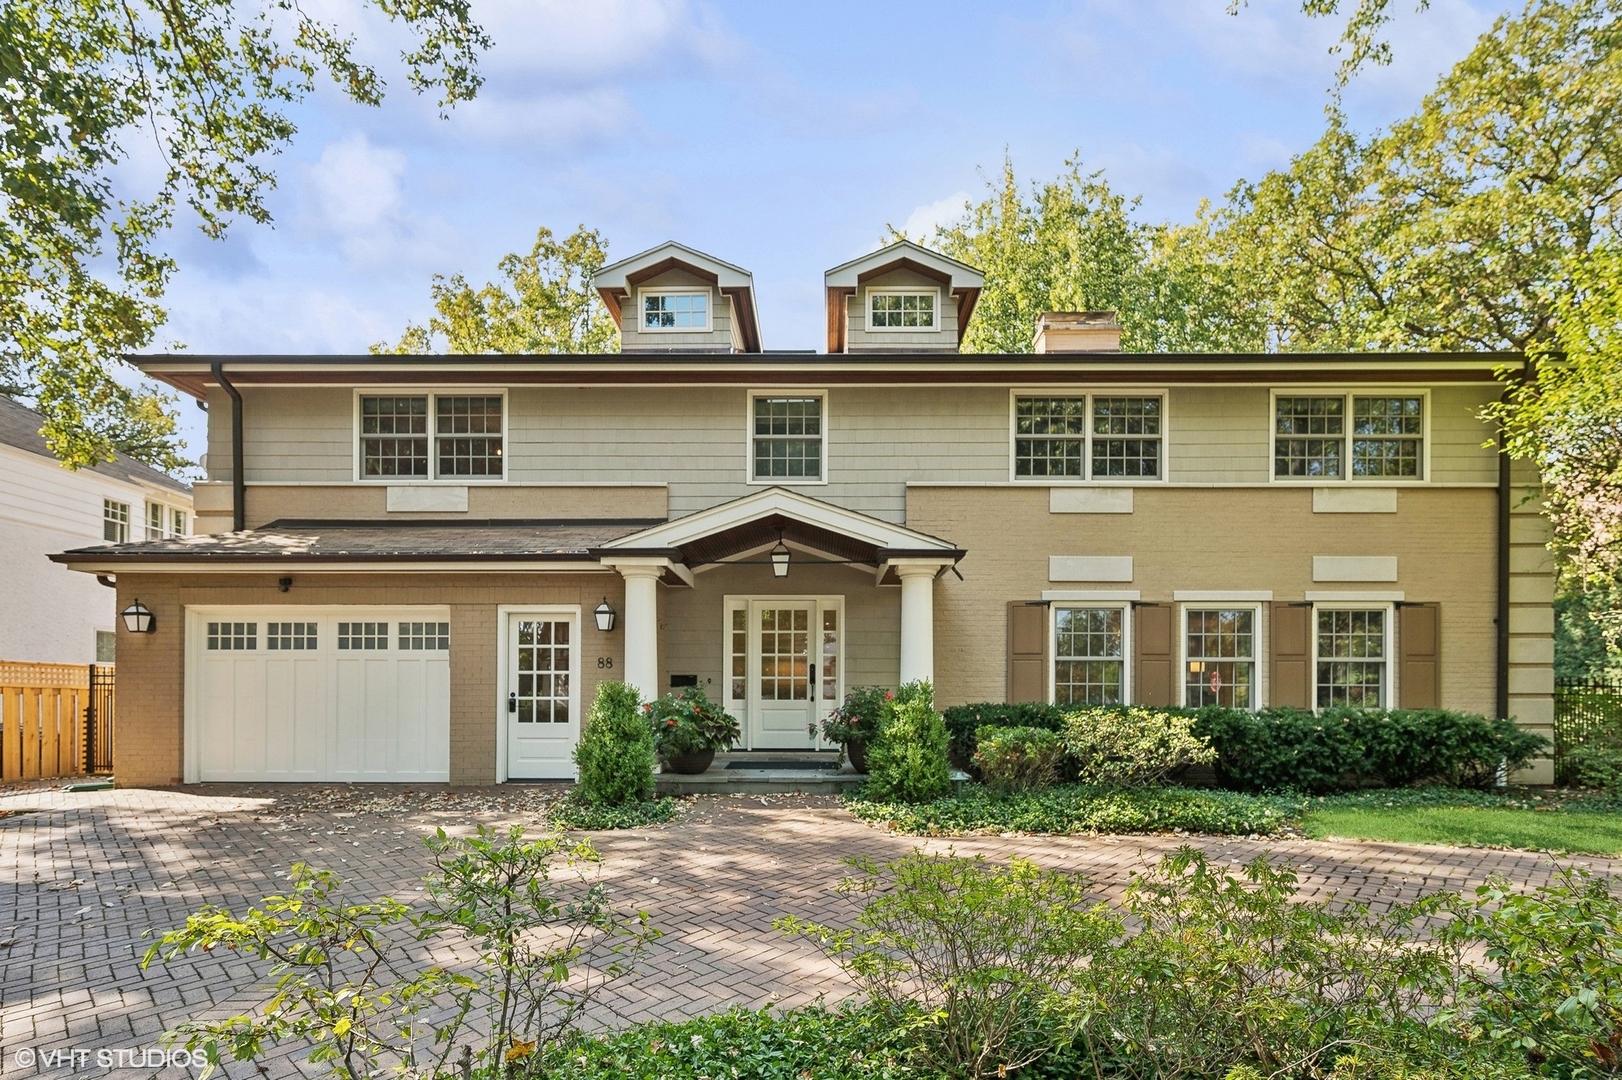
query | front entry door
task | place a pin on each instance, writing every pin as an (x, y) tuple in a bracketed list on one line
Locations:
[(783, 686), (543, 708)]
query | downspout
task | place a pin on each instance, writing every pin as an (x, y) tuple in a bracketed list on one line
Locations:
[(239, 486), (1503, 577)]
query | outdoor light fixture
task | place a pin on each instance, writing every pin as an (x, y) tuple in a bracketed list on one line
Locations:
[(283, 584), (138, 619), (780, 557), (605, 616)]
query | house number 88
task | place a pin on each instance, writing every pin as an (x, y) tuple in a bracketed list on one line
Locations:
[(605, 661)]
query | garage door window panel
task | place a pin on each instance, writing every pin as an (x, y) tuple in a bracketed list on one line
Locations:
[(363, 635), (290, 635), (233, 636)]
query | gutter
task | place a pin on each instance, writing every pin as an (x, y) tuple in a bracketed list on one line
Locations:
[(239, 489)]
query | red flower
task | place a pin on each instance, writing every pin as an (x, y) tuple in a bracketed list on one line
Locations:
[(671, 722), (889, 696)]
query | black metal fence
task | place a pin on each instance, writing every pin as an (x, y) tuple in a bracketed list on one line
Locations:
[(98, 715), (1585, 711)]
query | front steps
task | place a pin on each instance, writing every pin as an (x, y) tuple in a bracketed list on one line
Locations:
[(762, 779)]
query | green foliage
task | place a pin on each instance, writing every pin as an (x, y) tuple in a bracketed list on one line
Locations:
[(686, 721), (908, 762), (615, 754), (965, 956), (964, 721), (1587, 627), (574, 813), (1072, 808), (1015, 759), (1598, 833), (544, 304), (1131, 746), (209, 82), (849, 1042)]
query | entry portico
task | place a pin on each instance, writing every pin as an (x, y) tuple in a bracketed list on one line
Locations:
[(783, 643)]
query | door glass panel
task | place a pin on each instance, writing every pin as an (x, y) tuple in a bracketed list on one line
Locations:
[(543, 666), (740, 652), (785, 654), (830, 655)]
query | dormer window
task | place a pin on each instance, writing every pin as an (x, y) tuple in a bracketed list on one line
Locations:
[(900, 309), (676, 311)]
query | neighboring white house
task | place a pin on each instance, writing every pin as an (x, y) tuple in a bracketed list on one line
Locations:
[(53, 615)]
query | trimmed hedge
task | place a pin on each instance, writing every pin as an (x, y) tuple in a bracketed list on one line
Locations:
[(962, 721)]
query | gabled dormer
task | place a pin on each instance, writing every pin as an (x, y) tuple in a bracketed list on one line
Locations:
[(674, 299), (900, 298)]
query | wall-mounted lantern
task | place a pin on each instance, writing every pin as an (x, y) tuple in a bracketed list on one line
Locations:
[(605, 615), (138, 619)]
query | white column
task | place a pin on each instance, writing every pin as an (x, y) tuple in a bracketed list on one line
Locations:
[(917, 621), (642, 628)]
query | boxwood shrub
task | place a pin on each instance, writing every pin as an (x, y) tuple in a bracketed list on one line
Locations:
[(962, 721)]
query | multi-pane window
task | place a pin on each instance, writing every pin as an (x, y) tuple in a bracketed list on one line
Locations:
[(425, 635), (785, 654), (1220, 658), (788, 438), (115, 521), (544, 663), (1089, 656), (1050, 436), (233, 636), (739, 650), (901, 311), (155, 517), (363, 635), (290, 635), (467, 435), (1351, 658), (177, 522), (1338, 437), (675, 311), (1126, 436), (394, 436), (830, 655)]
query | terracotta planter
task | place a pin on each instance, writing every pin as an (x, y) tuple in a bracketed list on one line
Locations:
[(690, 764), (857, 752)]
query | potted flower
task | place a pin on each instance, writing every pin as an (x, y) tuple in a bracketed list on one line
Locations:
[(856, 723), (688, 728)]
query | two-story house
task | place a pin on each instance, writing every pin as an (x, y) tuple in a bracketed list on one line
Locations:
[(51, 614), (420, 567)]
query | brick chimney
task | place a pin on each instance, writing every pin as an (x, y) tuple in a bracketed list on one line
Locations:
[(1077, 332)]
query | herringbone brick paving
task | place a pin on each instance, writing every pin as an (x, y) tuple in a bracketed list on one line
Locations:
[(85, 877)]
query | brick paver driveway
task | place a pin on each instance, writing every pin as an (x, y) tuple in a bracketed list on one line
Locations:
[(84, 876)]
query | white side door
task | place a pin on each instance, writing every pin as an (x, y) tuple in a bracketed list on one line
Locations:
[(783, 682), (543, 696)]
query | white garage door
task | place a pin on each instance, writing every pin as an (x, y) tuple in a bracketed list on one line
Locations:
[(295, 694)]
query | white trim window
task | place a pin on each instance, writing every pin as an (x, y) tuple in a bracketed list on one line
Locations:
[(1351, 656), (115, 521), (468, 439), (163, 522), (1219, 657), (787, 442), (1089, 655), (676, 309), (1368, 436), (902, 309), (1079, 436), (177, 522)]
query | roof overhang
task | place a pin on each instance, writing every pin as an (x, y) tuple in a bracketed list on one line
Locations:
[(615, 281)]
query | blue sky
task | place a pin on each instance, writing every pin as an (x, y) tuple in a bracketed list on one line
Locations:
[(781, 137)]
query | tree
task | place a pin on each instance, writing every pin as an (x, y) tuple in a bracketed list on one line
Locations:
[(206, 82), (542, 304)]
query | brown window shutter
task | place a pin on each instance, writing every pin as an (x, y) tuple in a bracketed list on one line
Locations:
[(1292, 656), (1027, 651), (1419, 656), (1153, 653)]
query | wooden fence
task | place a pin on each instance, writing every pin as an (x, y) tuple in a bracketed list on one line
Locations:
[(44, 717)]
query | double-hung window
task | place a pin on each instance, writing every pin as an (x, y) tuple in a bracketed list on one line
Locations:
[(115, 521), (675, 311), (900, 309), (786, 441), (163, 521), (1219, 657), (432, 436), (1349, 436), (1352, 654), (1080, 436), (1089, 655)]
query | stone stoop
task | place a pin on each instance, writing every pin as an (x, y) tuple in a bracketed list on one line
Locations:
[(762, 779)]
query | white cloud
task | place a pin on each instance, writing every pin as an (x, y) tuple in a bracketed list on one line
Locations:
[(921, 223), (554, 119), (568, 42), (356, 195)]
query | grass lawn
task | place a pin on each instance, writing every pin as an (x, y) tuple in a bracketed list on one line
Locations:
[(1585, 831)]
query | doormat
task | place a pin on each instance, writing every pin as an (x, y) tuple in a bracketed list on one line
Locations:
[(798, 766)]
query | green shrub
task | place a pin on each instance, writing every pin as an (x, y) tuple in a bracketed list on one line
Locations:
[(1131, 746), (1413, 746), (1014, 759), (963, 721), (686, 721), (572, 813), (615, 754), (1277, 749), (908, 762), (1070, 808)]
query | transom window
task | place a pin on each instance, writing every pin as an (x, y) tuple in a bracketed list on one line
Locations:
[(290, 635), (468, 436), (1351, 657), (1089, 656), (676, 311), (233, 636), (1338, 437), (425, 635), (787, 439), (115, 521), (901, 310), (1220, 658), (363, 635), (1080, 437)]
